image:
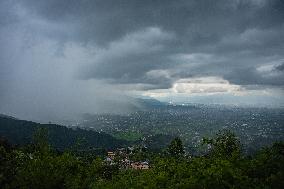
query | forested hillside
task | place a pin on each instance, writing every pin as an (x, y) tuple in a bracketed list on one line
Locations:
[(224, 166), (21, 132)]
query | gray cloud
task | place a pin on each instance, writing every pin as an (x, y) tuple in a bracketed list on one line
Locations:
[(116, 45), (221, 28), (280, 67), (132, 58)]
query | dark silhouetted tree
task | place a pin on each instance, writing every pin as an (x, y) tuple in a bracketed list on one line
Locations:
[(176, 148)]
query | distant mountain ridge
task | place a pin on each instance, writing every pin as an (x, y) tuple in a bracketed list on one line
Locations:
[(148, 103), (6, 116), (20, 132)]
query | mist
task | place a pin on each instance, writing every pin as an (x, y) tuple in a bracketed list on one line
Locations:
[(42, 84)]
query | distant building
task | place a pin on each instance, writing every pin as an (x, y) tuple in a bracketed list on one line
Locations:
[(140, 165), (123, 160), (111, 155)]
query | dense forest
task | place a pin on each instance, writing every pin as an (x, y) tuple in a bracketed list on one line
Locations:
[(20, 132), (37, 165)]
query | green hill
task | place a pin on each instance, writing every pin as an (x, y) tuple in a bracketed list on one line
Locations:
[(20, 132)]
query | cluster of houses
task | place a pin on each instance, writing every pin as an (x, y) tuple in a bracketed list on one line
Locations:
[(121, 157)]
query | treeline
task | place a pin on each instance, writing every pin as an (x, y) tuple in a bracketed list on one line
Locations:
[(224, 166)]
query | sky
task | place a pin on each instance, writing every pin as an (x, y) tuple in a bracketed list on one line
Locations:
[(61, 58)]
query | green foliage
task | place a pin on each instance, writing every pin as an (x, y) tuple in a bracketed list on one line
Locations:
[(225, 144), (21, 132), (176, 148), (40, 141), (268, 165), (129, 136), (41, 167)]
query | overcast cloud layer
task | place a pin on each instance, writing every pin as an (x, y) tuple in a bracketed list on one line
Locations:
[(64, 57)]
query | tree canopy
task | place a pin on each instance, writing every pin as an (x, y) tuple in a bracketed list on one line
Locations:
[(176, 148), (42, 167)]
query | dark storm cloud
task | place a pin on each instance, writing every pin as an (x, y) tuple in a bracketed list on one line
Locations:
[(253, 77), (280, 67), (60, 45), (200, 21), (219, 28), (132, 58)]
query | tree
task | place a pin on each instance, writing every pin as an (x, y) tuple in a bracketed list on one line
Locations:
[(176, 148), (40, 140), (6, 145), (226, 144)]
